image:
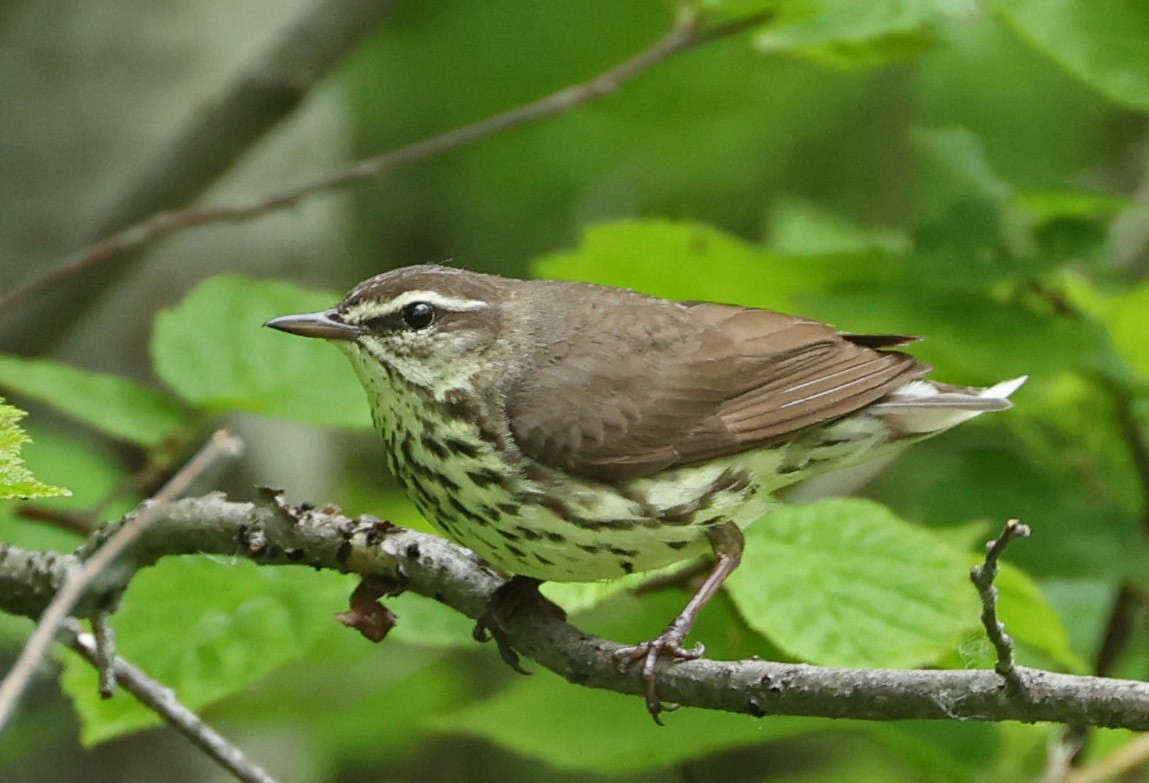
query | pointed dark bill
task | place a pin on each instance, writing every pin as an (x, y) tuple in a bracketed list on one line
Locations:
[(322, 325)]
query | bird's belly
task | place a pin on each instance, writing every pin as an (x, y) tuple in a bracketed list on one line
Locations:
[(526, 518), (540, 544), (558, 527)]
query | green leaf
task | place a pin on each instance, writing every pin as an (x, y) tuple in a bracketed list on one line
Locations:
[(92, 473), (1068, 204), (962, 154), (1051, 480), (729, 11), (1085, 606), (211, 350), (847, 583), (799, 227), (422, 621), (108, 403), (1101, 42), (964, 329), (205, 643), (606, 733), (849, 34), (1127, 317), (16, 481), (374, 700), (683, 260)]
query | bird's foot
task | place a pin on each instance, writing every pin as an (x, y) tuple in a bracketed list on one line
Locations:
[(667, 645), (515, 593)]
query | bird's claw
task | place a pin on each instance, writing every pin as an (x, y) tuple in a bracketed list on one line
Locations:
[(667, 645), (487, 627), (505, 601)]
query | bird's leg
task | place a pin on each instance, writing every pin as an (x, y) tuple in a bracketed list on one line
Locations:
[(727, 543), (505, 601)]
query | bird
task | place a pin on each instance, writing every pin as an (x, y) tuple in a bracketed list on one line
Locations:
[(568, 431)]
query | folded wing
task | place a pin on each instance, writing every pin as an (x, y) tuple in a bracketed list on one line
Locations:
[(631, 387)]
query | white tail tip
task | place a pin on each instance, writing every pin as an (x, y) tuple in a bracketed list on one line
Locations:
[(922, 407), (1003, 390)]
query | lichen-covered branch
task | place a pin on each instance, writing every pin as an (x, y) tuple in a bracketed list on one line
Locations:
[(270, 533)]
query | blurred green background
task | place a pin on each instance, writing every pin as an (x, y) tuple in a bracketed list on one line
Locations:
[(973, 172)]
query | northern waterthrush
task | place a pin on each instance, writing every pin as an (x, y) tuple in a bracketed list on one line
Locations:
[(574, 432)]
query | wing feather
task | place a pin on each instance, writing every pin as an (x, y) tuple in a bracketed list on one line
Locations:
[(630, 385)]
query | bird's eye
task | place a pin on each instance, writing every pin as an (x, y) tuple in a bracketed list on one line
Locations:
[(418, 315)]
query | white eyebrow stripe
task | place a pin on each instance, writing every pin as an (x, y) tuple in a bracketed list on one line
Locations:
[(433, 298)]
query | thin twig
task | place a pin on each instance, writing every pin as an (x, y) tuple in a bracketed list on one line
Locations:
[(105, 637), (1061, 749), (73, 521), (685, 35), (262, 95), (80, 576), (983, 577), (164, 703), (84, 521)]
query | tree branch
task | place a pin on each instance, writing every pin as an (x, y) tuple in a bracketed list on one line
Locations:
[(259, 98), (271, 533), (164, 703), (78, 575), (686, 34)]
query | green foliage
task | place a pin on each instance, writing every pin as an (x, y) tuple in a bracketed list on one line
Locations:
[(691, 261), (108, 403), (211, 351), (606, 733), (92, 473), (848, 34), (205, 644), (898, 166), (1127, 316), (1101, 42), (846, 583), (16, 481)]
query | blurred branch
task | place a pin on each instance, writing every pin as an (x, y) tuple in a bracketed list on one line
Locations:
[(257, 101), (1129, 605), (164, 703), (1120, 762), (272, 533), (72, 279)]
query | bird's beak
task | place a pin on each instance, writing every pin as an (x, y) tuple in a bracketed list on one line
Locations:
[(322, 325)]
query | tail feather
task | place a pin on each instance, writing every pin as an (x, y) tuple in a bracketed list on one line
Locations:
[(923, 406)]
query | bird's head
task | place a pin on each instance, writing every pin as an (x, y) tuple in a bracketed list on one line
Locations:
[(432, 326)]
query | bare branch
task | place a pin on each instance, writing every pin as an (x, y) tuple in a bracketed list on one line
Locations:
[(271, 533), (79, 575), (685, 35), (164, 703), (983, 577)]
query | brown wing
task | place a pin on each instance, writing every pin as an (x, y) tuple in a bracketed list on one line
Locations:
[(628, 385)]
